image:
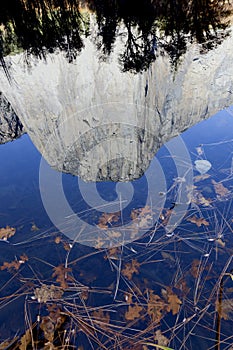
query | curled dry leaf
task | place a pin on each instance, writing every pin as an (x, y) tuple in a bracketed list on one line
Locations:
[(7, 232), (47, 292)]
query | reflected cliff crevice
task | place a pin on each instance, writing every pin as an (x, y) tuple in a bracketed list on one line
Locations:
[(11, 127)]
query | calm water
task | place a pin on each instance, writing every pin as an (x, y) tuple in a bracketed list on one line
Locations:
[(167, 281)]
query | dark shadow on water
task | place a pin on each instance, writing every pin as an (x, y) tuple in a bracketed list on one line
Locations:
[(151, 28)]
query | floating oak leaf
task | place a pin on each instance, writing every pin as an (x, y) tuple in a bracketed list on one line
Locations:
[(113, 253), (156, 307), (106, 219), (130, 268), (220, 190), (62, 275), (23, 258), (10, 266), (133, 312), (173, 303), (198, 221), (7, 232), (99, 243)]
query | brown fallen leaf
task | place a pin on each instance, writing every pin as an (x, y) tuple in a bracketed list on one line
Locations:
[(156, 307), (10, 266), (25, 340), (225, 309), (198, 221), (196, 268), (34, 228), (106, 219), (48, 328), (133, 312), (220, 242), (173, 303), (102, 316), (62, 275), (130, 268), (160, 338), (7, 232), (57, 240), (201, 177), (220, 190)]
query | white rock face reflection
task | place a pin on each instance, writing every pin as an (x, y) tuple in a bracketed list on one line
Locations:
[(90, 119)]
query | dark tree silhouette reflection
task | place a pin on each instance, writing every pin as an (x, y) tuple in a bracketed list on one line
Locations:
[(150, 27)]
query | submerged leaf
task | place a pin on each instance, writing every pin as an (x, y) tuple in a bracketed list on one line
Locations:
[(159, 346), (225, 308), (201, 177), (220, 190), (198, 221), (160, 338)]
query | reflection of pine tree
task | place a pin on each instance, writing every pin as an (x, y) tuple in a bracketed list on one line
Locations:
[(42, 26)]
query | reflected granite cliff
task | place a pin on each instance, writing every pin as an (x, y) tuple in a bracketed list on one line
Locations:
[(102, 120), (10, 126)]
